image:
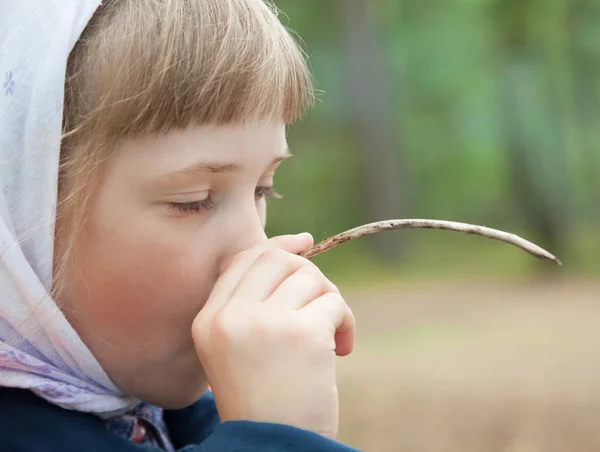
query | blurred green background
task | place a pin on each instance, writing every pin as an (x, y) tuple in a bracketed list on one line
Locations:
[(481, 111)]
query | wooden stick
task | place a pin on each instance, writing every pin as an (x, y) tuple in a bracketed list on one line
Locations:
[(466, 228)]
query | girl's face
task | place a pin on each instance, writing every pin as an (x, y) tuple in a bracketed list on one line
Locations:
[(170, 213)]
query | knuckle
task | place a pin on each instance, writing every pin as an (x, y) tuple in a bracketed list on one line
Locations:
[(336, 299), (334, 288), (224, 326), (311, 268), (312, 271), (275, 254), (281, 258), (305, 278), (218, 326), (198, 326)]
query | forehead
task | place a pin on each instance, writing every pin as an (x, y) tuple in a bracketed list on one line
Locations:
[(216, 148)]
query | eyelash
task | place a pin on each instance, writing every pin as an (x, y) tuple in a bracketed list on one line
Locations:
[(265, 192), (193, 207), (208, 203)]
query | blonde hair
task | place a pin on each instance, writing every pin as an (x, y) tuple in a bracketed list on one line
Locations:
[(145, 67)]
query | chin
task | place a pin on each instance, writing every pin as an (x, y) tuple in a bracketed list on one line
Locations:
[(174, 385), (175, 400)]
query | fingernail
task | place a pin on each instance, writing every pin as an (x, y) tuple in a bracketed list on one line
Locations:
[(305, 235)]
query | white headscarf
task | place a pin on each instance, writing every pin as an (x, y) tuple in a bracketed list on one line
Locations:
[(39, 350)]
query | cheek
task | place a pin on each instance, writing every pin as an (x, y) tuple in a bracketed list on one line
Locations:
[(261, 208), (143, 285)]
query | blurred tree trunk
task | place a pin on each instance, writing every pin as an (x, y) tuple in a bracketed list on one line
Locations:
[(582, 24), (534, 200), (367, 95), (533, 133)]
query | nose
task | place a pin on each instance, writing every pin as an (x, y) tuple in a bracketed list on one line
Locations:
[(243, 231)]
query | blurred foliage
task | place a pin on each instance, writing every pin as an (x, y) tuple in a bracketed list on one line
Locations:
[(491, 109)]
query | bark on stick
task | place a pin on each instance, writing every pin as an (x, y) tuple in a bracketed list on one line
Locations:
[(466, 228)]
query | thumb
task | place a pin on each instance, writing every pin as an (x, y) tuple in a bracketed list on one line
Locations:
[(344, 342)]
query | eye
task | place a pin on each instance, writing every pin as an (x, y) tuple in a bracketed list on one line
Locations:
[(193, 207), (266, 193)]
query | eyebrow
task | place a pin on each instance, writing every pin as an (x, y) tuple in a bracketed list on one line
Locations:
[(216, 168)]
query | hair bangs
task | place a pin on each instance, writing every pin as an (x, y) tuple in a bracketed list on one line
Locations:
[(173, 64)]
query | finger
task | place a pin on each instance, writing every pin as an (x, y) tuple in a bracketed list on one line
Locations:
[(302, 287), (266, 274), (231, 277), (332, 307), (344, 342), (292, 243), (337, 311), (228, 281)]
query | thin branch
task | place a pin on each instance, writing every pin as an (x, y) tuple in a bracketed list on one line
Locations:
[(466, 228)]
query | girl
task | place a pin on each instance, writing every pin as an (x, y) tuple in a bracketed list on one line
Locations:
[(139, 140)]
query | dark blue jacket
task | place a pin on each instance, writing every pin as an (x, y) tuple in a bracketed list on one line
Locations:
[(30, 424)]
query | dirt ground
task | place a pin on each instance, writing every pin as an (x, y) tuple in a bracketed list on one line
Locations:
[(475, 367)]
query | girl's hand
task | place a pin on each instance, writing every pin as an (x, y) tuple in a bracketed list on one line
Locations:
[(268, 338)]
